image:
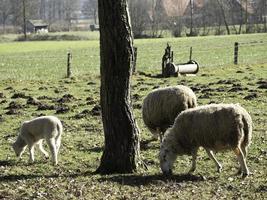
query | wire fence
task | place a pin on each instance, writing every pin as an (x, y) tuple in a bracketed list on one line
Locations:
[(88, 61)]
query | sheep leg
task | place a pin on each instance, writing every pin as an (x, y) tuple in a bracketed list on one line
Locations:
[(156, 134), (194, 158), (242, 161), (58, 143), (212, 157), (40, 144), (52, 145), (244, 150), (31, 150), (160, 136)]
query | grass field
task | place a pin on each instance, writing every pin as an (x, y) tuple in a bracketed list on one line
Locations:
[(37, 70)]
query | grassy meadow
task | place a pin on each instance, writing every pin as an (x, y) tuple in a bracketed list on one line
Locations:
[(33, 83)]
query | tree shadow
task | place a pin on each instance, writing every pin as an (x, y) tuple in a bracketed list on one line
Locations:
[(144, 144), (137, 180), (95, 149), (150, 75), (20, 177), (5, 163)]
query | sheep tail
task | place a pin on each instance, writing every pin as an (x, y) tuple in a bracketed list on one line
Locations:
[(247, 128), (59, 129)]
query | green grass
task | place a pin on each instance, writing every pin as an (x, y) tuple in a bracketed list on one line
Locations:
[(22, 60), (83, 137)]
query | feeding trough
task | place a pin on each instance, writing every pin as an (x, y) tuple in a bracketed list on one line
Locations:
[(170, 69), (190, 67)]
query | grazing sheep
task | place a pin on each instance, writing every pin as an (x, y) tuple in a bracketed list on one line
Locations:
[(34, 132), (161, 107), (214, 127)]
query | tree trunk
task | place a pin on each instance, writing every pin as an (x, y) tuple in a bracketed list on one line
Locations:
[(95, 16), (191, 17), (241, 18), (121, 152), (224, 17), (24, 20), (246, 16)]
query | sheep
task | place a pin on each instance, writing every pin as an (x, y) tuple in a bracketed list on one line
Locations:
[(214, 127), (34, 132), (161, 106)]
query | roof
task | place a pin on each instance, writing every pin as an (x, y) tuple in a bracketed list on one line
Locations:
[(38, 23), (247, 5), (178, 7), (175, 8)]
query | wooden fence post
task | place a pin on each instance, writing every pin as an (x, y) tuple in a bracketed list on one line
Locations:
[(69, 61), (190, 53), (134, 58), (236, 53)]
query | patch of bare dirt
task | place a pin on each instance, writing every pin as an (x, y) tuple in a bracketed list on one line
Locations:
[(43, 88), (14, 105), (62, 108), (33, 101), (66, 98), (21, 95), (96, 111), (237, 87), (45, 97), (82, 114), (1, 118), (3, 101), (262, 84), (137, 106), (136, 97), (91, 83), (229, 81), (13, 112), (9, 88), (251, 96), (43, 106), (2, 95)]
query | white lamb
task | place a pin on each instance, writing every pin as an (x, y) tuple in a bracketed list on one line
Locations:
[(35, 131), (161, 107), (214, 127)]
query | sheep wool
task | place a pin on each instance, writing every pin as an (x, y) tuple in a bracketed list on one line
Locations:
[(33, 132), (214, 127), (161, 107)]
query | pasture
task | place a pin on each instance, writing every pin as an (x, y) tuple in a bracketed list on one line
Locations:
[(37, 70)]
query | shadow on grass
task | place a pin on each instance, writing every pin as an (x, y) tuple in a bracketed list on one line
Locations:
[(137, 180), (95, 149), (5, 163), (144, 144), (20, 177), (150, 75)]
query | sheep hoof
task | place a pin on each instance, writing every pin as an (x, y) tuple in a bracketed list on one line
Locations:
[(219, 170), (244, 175), (239, 172), (30, 163)]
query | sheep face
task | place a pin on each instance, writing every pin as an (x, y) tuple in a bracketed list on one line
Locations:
[(167, 159), (19, 147)]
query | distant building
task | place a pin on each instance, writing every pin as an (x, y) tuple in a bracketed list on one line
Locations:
[(37, 26)]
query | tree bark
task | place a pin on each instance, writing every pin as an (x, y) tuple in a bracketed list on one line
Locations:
[(121, 152), (224, 17), (24, 20)]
